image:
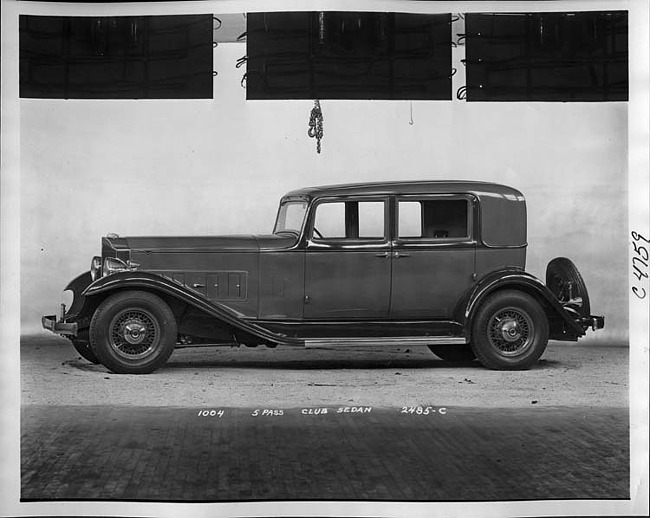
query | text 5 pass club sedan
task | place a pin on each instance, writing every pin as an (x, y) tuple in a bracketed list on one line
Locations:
[(402, 263)]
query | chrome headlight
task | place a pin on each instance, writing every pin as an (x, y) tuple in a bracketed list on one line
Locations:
[(96, 268), (114, 265)]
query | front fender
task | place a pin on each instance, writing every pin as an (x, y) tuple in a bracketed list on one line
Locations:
[(513, 278), (165, 285), (77, 286)]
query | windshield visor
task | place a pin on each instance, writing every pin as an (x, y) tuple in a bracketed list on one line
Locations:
[(290, 217)]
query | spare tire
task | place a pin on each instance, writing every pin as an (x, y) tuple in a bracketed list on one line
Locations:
[(565, 281)]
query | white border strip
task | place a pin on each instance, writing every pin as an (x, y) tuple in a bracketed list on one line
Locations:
[(639, 221), (250, 6)]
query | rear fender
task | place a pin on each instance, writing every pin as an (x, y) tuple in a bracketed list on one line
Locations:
[(516, 279), (179, 292)]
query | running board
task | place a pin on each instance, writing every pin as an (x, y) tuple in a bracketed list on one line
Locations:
[(391, 340)]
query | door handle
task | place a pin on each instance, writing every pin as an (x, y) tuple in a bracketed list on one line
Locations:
[(197, 285), (384, 254), (397, 255)]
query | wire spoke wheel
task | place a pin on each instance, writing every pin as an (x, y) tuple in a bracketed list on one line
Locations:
[(510, 331), (134, 334)]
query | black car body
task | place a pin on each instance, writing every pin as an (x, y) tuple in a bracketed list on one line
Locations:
[(430, 263)]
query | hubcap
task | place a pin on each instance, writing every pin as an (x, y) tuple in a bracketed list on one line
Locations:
[(134, 334), (510, 331)]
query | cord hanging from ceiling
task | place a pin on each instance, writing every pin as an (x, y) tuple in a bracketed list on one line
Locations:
[(316, 124)]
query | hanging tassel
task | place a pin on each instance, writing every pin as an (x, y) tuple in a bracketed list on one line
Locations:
[(316, 124)]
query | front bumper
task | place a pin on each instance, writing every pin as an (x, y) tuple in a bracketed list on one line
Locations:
[(62, 328)]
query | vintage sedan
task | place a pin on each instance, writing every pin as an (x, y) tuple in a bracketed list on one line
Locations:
[(401, 263)]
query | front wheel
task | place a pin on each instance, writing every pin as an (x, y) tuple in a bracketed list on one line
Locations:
[(133, 332), (510, 331), (85, 351)]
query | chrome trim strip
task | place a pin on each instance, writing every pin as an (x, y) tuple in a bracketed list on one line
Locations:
[(391, 340)]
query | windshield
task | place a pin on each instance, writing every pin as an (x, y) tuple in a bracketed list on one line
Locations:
[(290, 217)]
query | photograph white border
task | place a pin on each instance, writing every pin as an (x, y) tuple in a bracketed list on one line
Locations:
[(639, 221)]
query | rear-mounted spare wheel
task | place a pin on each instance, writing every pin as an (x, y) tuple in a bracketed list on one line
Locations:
[(133, 332), (566, 283)]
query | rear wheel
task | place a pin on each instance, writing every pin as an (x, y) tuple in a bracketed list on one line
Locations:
[(510, 331), (133, 332), (453, 353)]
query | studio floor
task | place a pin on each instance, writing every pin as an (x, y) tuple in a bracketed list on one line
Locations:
[(285, 424)]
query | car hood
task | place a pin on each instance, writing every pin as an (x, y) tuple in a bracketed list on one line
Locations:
[(251, 243)]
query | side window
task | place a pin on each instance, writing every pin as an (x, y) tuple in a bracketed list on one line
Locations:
[(410, 219), (349, 220), (371, 219), (330, 220), (433, 219)]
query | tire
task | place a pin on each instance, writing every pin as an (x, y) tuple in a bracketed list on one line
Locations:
[(559, 273), (510, 331), (453, 353), (133, 332), (85, 351)]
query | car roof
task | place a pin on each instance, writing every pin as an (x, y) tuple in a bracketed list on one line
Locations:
[(480, 189)]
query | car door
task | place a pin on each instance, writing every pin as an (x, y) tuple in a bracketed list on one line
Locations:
[(347, 259), (433, 255)]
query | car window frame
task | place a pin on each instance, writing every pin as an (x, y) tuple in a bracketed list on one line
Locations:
[(472, 222), (343, 243)]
